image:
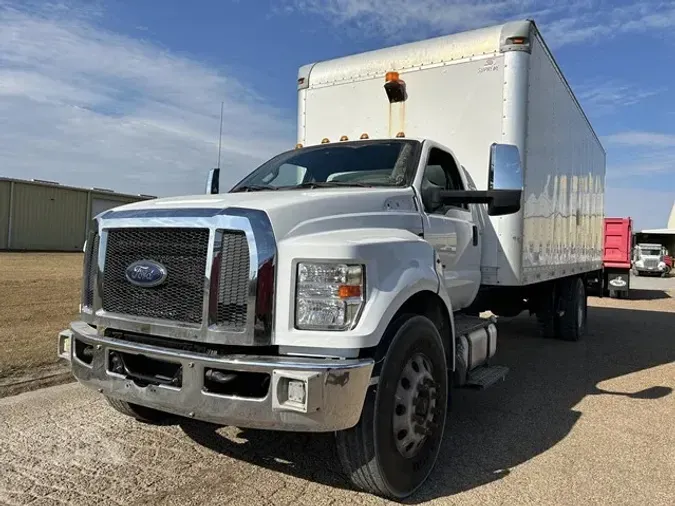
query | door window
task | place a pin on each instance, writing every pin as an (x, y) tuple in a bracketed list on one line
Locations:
[(441, 171)]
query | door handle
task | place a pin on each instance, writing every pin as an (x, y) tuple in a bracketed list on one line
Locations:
[(475, 235)]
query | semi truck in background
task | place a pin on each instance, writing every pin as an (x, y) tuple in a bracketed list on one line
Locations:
[(616, 256), (650, 259), (338, 287)]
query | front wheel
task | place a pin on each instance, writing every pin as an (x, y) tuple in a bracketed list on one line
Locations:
[(394, 447), (140, 413)]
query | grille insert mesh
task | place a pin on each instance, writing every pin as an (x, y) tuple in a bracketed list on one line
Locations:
[(182, 251)]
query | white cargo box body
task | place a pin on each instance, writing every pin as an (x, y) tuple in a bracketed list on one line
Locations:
[(468, 91)]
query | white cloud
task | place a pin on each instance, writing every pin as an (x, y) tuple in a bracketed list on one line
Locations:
[(642, 139), (641, 159), (563, 23), (599, 97), (85, 106)]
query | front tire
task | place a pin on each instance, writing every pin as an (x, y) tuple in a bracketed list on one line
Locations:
[(140, 413), (394, 447)]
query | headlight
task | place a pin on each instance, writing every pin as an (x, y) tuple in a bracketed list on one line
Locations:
[(328, 296)]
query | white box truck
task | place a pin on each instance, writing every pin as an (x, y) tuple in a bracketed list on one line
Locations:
[(338, 286)]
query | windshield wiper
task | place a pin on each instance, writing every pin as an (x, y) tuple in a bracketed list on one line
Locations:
[(253, 188), (328, 184)]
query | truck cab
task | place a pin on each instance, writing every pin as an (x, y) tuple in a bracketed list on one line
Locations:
[(284, 303), (649, 259)]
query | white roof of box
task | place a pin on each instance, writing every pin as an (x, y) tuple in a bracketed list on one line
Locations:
[(438, 50)]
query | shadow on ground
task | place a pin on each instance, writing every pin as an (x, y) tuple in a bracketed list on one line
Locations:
[(639, 294), (490, 432)]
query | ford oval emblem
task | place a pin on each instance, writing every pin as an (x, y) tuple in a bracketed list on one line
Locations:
[(146, 273)]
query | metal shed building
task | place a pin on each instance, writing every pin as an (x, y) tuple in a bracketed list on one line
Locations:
[(40, 215)]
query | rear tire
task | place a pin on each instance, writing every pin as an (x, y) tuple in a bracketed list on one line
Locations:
[(140, 413), (546, 313), (571, 324), (394, 447)]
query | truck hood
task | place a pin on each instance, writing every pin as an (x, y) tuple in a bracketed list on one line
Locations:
[(294, 212)]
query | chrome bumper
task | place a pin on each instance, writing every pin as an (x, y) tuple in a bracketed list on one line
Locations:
[(307, 395)]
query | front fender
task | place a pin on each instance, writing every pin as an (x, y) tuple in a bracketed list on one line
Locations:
[(398, 264)]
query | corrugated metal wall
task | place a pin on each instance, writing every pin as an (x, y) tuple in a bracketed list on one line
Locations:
[(48, 218), (38, 216), (5, 187)]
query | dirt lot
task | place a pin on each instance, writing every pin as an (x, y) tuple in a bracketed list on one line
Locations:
[(574, 423), (40, 296)]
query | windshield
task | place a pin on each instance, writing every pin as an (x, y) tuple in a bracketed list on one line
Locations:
[(362, 163), (650, 252)]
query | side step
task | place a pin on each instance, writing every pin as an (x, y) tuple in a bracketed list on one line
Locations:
[(485, 376)]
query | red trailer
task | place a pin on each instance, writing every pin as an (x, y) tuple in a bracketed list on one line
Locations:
[(616, 258)]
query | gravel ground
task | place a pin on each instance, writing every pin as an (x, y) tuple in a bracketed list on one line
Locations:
[(575, 423)]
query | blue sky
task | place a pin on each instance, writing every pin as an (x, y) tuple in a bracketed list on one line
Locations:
[(126, 95)]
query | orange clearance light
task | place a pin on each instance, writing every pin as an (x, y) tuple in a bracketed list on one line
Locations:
[(348, 291), (344, 138), (391, 76), (298, 146), (325, 140), (400, 134), (518, 40), (364, 136)]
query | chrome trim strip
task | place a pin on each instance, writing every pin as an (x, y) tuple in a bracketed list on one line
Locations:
[(262, 253)]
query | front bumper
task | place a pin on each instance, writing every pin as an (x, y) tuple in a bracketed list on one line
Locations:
[(650, 269), (305, 394)]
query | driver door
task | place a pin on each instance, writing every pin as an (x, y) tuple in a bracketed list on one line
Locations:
[(451, 229)]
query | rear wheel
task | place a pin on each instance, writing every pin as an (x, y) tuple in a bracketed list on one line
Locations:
[(140, 413), (546, 312), (394, 447), (571, 324)]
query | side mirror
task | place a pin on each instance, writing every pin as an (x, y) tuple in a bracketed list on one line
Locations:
[(505, 184), (506, 179), (504, 202), (506, 172), (213, 181)]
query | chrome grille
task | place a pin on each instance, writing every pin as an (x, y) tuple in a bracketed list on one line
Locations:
[(233, 281), (182, 251), (90, 268), (651, 263)]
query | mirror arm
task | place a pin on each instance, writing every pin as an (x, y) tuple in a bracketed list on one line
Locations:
[(450, 197)]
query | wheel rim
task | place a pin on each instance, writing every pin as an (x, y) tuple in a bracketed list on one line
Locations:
[(415, 413)]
